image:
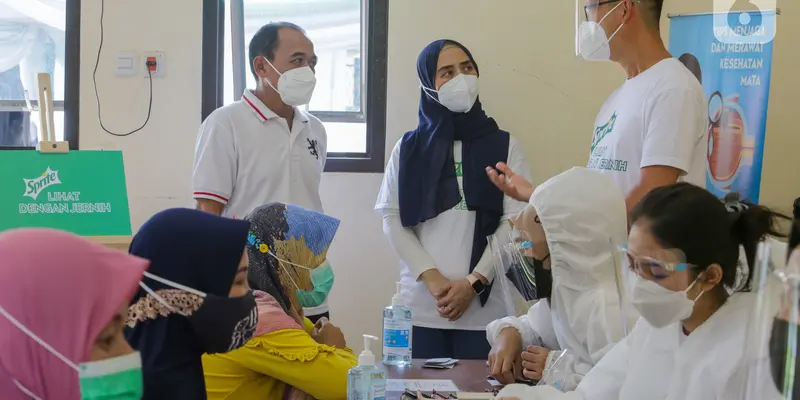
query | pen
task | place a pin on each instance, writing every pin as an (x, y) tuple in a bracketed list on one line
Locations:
[(439, 395)]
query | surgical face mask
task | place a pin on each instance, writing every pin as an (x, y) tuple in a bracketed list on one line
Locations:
[(222, 324), (321, 279), (660, 306), (458, 94), (782, 357), (594, 44), (295, 86), (113, 378)]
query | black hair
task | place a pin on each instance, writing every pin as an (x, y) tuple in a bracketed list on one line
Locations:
[(652, 11), (265, 41), (693, 64), (689, 218)]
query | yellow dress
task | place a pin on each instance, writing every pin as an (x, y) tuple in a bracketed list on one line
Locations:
[(267, 363)]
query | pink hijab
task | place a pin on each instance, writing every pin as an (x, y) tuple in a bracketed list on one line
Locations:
[(64, 289)]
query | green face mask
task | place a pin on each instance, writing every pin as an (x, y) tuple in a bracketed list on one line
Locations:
[(322, 279), (114, 378), (118, 378)]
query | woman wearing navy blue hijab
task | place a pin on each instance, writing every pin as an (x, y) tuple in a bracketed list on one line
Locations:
[(439, 206), (193, 300)]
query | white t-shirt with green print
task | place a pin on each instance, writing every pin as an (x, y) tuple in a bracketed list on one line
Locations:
[(447, 239), (659, 117)]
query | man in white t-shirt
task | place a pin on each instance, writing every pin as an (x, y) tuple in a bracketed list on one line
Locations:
[(264, 148), (652, 130)]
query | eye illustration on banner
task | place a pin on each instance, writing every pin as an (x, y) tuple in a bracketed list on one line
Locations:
[(745, 21), (692, 64), (726, 139)]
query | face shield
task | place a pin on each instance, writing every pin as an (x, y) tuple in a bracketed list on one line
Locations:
[(771, 349), (591, 40), (523, 280)]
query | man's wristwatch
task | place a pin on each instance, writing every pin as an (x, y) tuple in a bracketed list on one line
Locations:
[(477, 285)]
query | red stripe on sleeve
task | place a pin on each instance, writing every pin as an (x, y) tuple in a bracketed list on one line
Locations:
[(211, 194)]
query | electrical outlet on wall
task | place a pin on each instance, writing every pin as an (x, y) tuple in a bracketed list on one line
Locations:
[(153, 64)]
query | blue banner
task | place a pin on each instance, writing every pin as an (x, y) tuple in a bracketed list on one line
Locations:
[(735, 76)]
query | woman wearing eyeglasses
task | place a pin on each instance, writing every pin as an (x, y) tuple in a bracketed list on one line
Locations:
[(684, 247)]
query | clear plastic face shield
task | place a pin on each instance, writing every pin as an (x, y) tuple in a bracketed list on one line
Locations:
[(591, 40), (515, 272), (771, 352)]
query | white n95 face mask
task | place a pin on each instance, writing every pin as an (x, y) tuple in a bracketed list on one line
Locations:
[(660, 306), (295, 86), (593, 41), (458, 94)]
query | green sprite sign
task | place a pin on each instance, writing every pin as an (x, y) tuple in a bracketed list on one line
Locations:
[(82, 192)]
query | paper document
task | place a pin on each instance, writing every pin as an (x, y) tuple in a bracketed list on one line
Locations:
[(425, 385)]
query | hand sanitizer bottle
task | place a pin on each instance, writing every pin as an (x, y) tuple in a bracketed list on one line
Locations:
[(366, 381), (397, 331)]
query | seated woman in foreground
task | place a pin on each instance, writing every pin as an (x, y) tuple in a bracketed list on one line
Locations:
[(193, 300), (289, 357), (684, 247), (571, 222), (58, 325)]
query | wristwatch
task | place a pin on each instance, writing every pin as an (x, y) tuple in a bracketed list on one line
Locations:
[(477, 285)]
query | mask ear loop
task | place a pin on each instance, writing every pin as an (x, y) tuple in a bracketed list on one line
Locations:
[(280, 260), (702, 292), (37, 339), (289, 262), (168, 282), (276, 71), (426, 90), (600, 25), (25, 390), (174, 284)]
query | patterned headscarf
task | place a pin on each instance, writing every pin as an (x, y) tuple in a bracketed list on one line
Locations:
[(293, 234), (196, 249)]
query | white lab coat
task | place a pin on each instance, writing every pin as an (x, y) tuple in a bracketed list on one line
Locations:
[(584, 218), (655, 364)]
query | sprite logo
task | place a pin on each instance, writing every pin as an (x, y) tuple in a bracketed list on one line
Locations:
[(35, 186), (601, 131)]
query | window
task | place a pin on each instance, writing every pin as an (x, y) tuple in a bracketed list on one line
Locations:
[(350, 39), (38, 36)]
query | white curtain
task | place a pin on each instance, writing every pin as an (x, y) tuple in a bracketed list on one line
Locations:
[(27, 29)]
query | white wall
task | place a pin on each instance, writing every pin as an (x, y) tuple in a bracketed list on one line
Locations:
[(531, 84)]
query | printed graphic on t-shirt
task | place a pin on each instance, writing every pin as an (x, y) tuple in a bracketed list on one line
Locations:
[(600, 132), (312, 147), (599, 158), (462, 205)]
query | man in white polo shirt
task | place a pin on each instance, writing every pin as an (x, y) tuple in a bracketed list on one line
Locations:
[(651, 131), (263, 148)]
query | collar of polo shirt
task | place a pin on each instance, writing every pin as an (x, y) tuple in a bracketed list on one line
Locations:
[(262, 112)]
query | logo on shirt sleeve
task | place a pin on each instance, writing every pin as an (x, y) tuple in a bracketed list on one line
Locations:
[(312, 147)]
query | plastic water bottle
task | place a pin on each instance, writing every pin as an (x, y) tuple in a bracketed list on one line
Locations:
[(397, 331), (366, 381)]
